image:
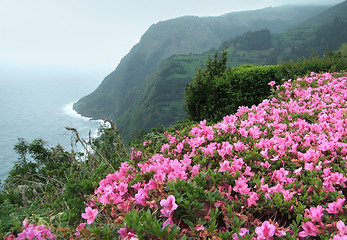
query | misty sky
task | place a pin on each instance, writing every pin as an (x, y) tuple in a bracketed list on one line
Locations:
[(96, 34)]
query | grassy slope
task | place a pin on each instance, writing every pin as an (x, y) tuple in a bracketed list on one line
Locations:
[(159, 100)]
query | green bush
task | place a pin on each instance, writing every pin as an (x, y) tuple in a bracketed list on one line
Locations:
[(49, 184), (217, 91)]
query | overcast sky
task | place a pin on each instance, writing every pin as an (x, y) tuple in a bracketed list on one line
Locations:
[(96, 34)]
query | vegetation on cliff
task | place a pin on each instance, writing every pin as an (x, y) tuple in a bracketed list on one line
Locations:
[(121, 96)]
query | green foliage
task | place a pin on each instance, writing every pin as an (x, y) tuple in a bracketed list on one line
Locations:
[(213, 96), (146, 224), (257, 40), (330, 62), (51, 185), (343, 50), (197, 93)]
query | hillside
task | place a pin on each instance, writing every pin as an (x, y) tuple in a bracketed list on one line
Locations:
[(156, 106), (276, 170), (159, 99), (180, 36), (326, 17)]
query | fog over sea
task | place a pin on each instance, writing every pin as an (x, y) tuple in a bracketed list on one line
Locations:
[(38, 104)]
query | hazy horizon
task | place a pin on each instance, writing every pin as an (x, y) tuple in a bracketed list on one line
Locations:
[(85, 34)]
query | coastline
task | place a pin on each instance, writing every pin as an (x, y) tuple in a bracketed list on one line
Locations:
[(69, 109)]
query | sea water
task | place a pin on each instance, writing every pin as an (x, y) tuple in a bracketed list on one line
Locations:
[(38, 104)]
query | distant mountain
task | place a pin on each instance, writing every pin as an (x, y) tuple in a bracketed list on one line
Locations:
[(121, 93), (327, 17)]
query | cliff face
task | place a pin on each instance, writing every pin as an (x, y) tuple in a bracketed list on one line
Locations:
[(184, 35)]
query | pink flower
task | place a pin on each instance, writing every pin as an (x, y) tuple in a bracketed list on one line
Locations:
[(199, 227), (25, 223), (122, 188), (272, 83), (168, 221), (315, 213), (298, 171), (90, 214), (136, 186), (123, 232), (252, 200), (309, 166), (10, 237), (241, 186), (338, 237), (35, 232), (151, 185), (81, 227), (342, 228), (224, 166), (126, 234), (168, 205), (287, 195), (195, 170), (242, 233), (265, 165), (309, 230), (265, 231), (140, 197), (164, 147), (336, 207)]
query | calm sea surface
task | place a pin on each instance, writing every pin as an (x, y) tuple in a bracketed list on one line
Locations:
[(38, 104)]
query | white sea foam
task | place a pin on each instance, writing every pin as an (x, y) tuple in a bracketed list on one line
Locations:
[(68, 109)]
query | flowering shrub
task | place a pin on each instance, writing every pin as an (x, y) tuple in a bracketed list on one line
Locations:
[(30, 231), (277, 170)]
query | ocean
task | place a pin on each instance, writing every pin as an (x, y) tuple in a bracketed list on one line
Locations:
[(37, 103)]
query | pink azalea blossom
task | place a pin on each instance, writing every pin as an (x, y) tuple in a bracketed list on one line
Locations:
[(342, 228), (140, 197), (224, 166), (168, 221), (315, 213), (336, 207), (127, 234), (168, 205), (287, 195), (32, 231), (265, 231), (122, 188), (338, 237), (309, 229), (25, 223), (242, 233), (241, 186), (195, 170), (81, 227), (309, 166), (199, 227), (90, 215), (272, 83), (10, 237), (253, 198)]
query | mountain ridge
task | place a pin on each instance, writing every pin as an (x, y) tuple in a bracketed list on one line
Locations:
[(184, 35)]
